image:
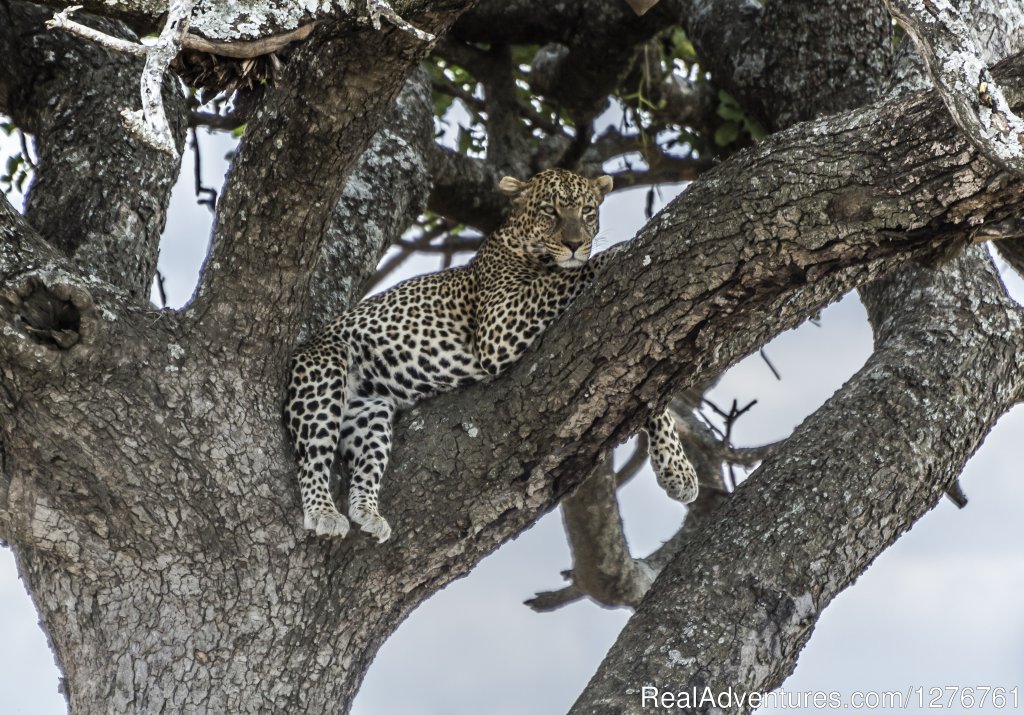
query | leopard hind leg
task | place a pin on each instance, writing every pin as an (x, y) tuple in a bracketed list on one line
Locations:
[(316, 402), (673, 469), (366, 448)]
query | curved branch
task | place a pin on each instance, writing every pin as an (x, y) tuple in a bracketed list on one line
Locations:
[(977, 102), (735, 608), (602, 568)]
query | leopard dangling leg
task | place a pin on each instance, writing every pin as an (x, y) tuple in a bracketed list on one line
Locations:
[(316, 398), (674, 472), (367, 448)]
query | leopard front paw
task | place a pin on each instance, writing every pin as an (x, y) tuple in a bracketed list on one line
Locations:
[(326, 523)]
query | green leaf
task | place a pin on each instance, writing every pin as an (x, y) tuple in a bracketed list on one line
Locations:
[(682, 47), (442, 103), (727, 133), (465, 140), (757, 131), (728, 108)]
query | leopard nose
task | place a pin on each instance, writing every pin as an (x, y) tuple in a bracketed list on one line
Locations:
[(572, 245)]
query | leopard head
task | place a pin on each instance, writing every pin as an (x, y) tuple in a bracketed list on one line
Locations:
[(554, 215)]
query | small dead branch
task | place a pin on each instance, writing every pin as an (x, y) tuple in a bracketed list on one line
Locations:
[(149, 124), (546, 601), (380, 8)]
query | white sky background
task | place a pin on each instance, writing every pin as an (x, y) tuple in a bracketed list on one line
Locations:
[(942, 607)]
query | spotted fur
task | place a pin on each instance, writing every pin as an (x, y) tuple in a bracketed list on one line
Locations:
[(437, 332)]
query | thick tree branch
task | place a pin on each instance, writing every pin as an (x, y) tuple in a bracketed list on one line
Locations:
[(749, 250), (300, 149), (773, 56), (585, 55), (735, 608), (603, 567), (766, 654), (956, 65), (465, 190), (53, 320), (366, 222), (68, 92)]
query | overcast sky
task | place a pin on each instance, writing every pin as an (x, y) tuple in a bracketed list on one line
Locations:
[(942, 607)]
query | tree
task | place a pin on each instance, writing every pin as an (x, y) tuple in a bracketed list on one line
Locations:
[(146, 485)]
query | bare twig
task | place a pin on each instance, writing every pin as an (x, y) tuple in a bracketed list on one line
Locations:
[(205, 195), (161, 288), (954, 60), (25, 153), (247, 49), (62, 21), (955, 493), (1010, 228), (380, 8), (546, 601), (764, 356), (213, 120)]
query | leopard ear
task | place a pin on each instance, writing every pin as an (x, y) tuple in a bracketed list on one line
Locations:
[(603, 184), (511, 186)]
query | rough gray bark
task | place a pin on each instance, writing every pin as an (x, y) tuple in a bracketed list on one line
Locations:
[(734, 609), (300, 148), (148, 528), (959, 71), (762, 649), (787, 62), (362, 226), (119, 242), (149, 494), (249, 28)]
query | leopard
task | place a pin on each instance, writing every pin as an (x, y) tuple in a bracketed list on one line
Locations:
[(441, 331)]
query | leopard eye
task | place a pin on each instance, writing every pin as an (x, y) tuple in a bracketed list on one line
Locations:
[(548, 210), (589, 210)]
